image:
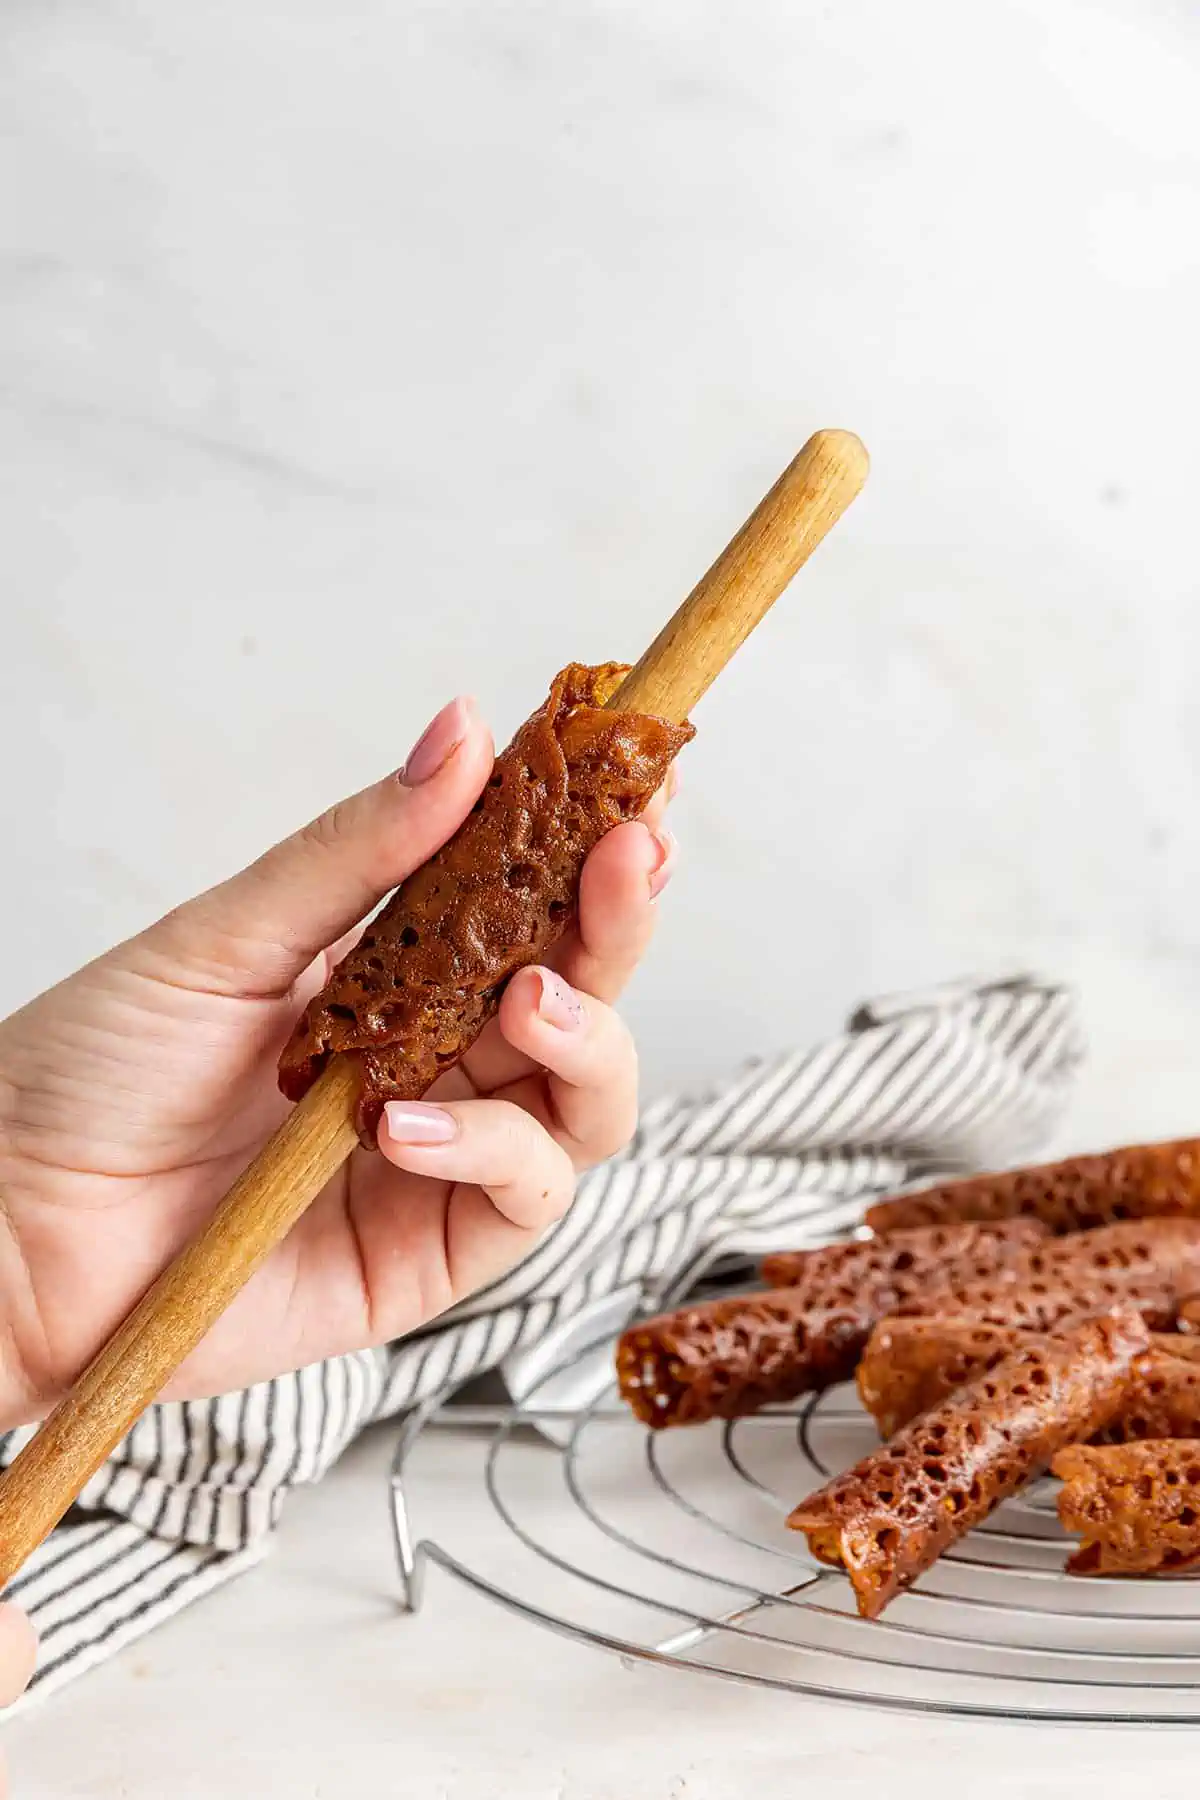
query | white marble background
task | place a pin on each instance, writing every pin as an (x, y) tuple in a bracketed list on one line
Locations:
[(355, 351)]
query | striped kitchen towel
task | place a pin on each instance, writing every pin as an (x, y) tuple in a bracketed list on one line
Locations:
[(923, 1085)]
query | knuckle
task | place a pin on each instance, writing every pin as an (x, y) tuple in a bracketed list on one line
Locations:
[(559, 1190), (516, 1135), (540, 1164), (333, 828)]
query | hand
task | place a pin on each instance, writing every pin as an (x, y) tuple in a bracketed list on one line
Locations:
[(134, 1093), (18, 1648)]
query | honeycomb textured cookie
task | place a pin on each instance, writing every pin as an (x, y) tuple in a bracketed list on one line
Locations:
[(1163, 1402), (1046, 1305), (1141, 1182), (1135, 1506), (911, 1365), (910, 1255), (726, 1358), (1142, 1246), (426, 977), (1149, 1265), (890, 1517), (1189, 1315)]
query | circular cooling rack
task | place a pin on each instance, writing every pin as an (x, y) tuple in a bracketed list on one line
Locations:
[(670, 1548)]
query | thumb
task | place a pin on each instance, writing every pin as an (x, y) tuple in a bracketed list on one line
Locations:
[(257, 932)]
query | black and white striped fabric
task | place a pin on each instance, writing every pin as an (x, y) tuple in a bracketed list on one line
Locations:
[(968, 1075)]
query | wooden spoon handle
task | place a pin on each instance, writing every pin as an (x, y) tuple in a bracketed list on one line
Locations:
[(317, 1136)]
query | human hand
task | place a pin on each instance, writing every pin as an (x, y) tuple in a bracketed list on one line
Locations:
[(134, 1093), (18, 1648)]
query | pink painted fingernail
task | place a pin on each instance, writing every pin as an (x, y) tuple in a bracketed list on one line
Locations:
[(559, 1004), (666, 846), (415, 1122), (438, 742)]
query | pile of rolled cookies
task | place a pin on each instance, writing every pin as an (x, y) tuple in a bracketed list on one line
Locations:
[(1041, 1319)]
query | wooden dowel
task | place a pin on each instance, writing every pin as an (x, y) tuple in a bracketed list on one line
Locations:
[(318, 1135), (747, 578)]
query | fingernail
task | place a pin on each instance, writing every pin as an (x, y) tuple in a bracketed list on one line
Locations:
[(666, 846), (437, 743), (415, 1122), (559, 1004), (673, 780)]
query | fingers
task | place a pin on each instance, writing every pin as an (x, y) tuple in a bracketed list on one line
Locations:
[(506, 1168), (510, 1181), (589, 1059), (528, 1177), (18, 1653), (622, 878), (258, 932)]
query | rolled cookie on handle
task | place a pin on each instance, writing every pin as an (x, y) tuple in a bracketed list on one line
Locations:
[(296, 1163), (414, 993)]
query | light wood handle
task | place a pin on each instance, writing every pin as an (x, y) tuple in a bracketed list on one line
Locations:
[(747, 578), (317, 1136)]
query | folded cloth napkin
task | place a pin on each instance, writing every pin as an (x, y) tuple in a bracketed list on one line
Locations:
[(963, 1076)]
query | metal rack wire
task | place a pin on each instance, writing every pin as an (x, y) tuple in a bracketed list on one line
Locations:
[(670, 1549)]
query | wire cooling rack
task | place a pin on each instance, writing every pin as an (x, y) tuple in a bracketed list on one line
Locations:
[(670, 1548)]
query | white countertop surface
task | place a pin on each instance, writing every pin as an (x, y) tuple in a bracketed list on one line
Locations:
[(301, 1680), (485, 325)]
